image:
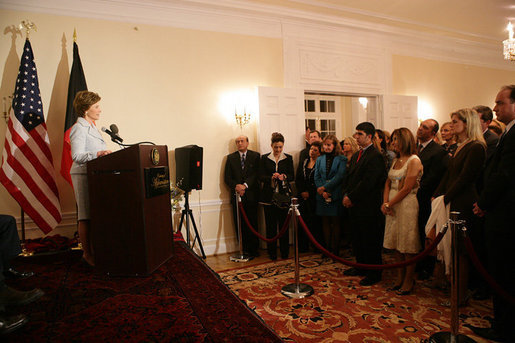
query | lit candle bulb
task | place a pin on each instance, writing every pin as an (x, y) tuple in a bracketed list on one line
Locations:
[(510, 31)]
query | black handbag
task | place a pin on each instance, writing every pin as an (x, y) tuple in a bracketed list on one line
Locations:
[(281, 197)]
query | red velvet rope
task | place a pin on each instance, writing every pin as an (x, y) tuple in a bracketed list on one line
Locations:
[(268, 240), (415, 259), (479, 266)]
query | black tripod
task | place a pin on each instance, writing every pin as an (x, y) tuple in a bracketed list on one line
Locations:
[(187, 213)]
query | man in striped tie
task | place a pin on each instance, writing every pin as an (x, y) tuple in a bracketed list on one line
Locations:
[(241, 175)]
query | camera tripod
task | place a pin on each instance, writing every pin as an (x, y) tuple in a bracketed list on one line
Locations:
[(188, 214)]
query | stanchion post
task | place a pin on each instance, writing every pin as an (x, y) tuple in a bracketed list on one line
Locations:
[(239, 257), (453, 336), (296, 290)]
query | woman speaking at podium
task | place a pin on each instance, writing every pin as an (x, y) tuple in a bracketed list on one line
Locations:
[(86, 144)]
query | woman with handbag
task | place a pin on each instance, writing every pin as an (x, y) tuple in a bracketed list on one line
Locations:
[(329, 171), (276, 171)]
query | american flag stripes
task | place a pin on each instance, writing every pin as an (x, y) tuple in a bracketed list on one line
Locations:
[(27, 167)]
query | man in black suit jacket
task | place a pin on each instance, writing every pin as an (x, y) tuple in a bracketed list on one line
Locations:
[(242, 177), (363, 188), (485, 118), (497, 203), (10, 248), (434, 159), (314, 136)]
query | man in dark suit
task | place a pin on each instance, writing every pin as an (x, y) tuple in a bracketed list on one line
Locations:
[(314, 136), (242, 177), (362, 189), (10, 248), (497, 204), (485, 118), (434, 159)]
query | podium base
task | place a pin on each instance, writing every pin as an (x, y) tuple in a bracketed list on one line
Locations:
[(446, 337), (297, 291), (241, 258)]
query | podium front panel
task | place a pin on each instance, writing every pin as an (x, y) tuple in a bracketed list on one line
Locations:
[(131, 234)]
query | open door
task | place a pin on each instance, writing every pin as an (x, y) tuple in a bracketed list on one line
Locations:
[(281, 110), (399, 111)]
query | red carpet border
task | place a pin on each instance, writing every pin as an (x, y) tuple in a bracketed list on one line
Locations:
[(343, 311), (183, 301)]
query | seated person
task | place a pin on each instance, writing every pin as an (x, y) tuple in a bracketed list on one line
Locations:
[(10, 248)]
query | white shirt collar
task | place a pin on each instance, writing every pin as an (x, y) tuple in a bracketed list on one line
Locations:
[(510, 125)]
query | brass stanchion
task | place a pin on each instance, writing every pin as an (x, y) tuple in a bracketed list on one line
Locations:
[(296, 290), (240, 257), (453, 336)]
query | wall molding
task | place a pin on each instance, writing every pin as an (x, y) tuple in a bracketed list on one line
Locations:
[(245, 17)]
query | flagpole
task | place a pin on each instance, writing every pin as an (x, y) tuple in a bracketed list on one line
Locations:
[(27, 25)]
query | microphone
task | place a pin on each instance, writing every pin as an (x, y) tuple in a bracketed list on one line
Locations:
[(113, 133)]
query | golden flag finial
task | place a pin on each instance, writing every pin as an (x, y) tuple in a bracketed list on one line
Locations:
[(27, 25), (74, 35)]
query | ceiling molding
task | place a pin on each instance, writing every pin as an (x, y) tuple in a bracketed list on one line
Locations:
[(248, 18)]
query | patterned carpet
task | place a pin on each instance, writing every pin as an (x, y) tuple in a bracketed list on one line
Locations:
[(343, 311), (182, 301)]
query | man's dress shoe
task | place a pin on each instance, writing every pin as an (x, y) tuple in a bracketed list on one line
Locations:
[(353, 272), (13, 297), (9, 324), (12, 273), (369, 281), (488, 333)]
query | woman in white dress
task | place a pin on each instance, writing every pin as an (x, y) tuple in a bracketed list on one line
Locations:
[(401, 207)]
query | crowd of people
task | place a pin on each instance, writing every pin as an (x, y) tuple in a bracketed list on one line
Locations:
[(372, 190), (377, 190)]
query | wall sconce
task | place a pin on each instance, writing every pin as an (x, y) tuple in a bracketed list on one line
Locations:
[(509, 44), (363, 102), (242, 119)]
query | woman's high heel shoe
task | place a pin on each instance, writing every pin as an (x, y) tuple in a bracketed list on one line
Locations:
[(394, 288), (407, 292)]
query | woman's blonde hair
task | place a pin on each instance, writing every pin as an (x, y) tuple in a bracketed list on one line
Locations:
[(353, 144), (473, 127)]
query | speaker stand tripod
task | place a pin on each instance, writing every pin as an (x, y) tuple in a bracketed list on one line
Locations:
[(188, 214)]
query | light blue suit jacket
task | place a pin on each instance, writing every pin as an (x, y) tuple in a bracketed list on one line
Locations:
[(85, 141)]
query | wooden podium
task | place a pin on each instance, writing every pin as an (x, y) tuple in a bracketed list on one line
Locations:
[(131, 224)]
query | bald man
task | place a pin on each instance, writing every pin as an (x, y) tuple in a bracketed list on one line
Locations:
[(241, 176)]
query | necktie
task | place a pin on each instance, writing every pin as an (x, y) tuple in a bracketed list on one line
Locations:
[(359, 154), (242, 161), (419, 149)]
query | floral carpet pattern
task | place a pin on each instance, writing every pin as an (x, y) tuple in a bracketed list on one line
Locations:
[(182, 301), (340, 310)]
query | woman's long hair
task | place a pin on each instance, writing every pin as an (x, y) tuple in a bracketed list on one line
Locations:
[(337, 148), (405, 141), (473, 127), (353, 145)]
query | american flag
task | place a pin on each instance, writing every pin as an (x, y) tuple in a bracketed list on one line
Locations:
[(27, 167)]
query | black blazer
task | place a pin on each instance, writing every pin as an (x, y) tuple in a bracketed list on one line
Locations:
[(434, 160), (491, 139), (498, 196), (364, 182), (234, 175), (267, 169), (303, 155), (459, 182)]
